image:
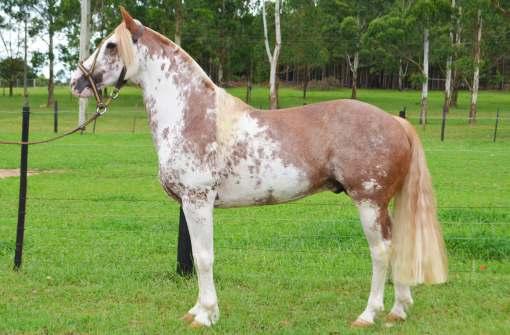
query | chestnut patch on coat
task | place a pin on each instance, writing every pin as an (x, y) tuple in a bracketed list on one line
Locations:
[(199, 126)]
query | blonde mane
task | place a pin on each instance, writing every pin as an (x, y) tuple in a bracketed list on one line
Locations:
[(124, 44)]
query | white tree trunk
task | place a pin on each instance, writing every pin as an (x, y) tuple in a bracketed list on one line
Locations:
[(448, 80), (84, 50), (272, 57), (476, 74), (425, 85)]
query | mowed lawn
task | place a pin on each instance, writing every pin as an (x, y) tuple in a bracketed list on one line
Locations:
[(100, 243)]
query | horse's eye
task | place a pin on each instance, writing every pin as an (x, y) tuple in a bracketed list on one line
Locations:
[(111, 45)]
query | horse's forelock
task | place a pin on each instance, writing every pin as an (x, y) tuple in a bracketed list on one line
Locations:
[(124, 44)]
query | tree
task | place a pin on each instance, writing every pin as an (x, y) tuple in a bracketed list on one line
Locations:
[(305, 47), (428, 13), (272, 57), (476, 64), (353, 30), (11, 70), (84, 51), (178, 21), (11, 67)]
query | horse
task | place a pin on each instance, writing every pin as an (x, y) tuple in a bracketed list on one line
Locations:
[(214, 150)]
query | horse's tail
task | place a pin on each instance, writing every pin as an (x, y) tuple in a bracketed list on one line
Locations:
[(418, 250)]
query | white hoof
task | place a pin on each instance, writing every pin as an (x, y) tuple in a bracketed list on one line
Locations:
[(199, 317)]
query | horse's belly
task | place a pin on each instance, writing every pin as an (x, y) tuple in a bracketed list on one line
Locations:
[(268, 182)]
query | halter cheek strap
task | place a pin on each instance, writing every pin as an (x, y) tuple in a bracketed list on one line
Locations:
[(102, 105)]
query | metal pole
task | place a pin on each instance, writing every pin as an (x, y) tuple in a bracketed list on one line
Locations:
[(20, 232), (496, 126), (443, 120), (55, 117), (184, 252)]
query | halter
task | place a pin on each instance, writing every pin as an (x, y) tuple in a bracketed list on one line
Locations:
[(103, 105)]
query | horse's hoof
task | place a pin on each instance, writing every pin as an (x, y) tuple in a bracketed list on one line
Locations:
[(360, 323), (196, 325), (394, 318), (188, 318)]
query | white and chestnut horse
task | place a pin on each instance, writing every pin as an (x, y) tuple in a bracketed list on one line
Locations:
[(216, 151)]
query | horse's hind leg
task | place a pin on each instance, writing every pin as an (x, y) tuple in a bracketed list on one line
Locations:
[(376, 225), (403, 300)]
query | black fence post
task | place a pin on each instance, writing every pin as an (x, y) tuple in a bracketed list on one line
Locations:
[(184, 252), (402, 113), (443, 120), (496, 126), (55, 117), (20, 232)]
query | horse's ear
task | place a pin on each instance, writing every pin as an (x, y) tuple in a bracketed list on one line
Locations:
[(131, 25)]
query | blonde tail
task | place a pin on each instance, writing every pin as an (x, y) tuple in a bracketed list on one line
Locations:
[(418, 250)]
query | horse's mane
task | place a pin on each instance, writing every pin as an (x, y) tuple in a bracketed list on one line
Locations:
[(125, 47), (127, 52)]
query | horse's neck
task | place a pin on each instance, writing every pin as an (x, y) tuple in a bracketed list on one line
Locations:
[(176, 91)]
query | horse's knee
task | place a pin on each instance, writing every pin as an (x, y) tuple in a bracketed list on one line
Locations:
[(203, 260)]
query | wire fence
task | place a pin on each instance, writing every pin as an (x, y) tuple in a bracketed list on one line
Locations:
[(316, 229)]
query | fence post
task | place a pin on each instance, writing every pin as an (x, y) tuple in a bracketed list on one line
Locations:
[(20, 232), (134, 124), (496, 126), (184, 252), (402, 113), (55, 117), (443, 120)]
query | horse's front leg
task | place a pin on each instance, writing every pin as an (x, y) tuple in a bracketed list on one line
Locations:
[(199, 215)]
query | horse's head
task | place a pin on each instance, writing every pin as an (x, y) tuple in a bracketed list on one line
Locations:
[(106, 64)]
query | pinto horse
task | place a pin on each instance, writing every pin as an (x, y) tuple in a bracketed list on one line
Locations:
[(216, 151)]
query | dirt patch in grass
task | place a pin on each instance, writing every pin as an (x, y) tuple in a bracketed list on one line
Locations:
[(6, 173)]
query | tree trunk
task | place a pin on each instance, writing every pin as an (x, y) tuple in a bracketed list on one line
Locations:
[(220, 73), (178, 21), (400, 76), (11, 85), (354, 70), (448, 80), (249, 83), (84, 50), (455, 77), (425, 84), (272, 58), (305, 82), (476, 74), (51, 58)]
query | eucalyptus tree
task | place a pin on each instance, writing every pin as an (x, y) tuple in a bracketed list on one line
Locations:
[(428, 14), (272, 56), (304, 42), (84, 50), (353, 29)]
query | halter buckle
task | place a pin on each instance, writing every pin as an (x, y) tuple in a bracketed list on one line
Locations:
[(101, 108), (115, 93)]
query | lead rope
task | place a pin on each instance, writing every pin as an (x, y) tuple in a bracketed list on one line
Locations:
[(102, 106)]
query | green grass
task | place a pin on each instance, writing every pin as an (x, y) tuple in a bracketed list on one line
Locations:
[(101, 234)]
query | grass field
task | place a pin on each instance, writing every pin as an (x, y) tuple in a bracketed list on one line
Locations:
[(101, 234)]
